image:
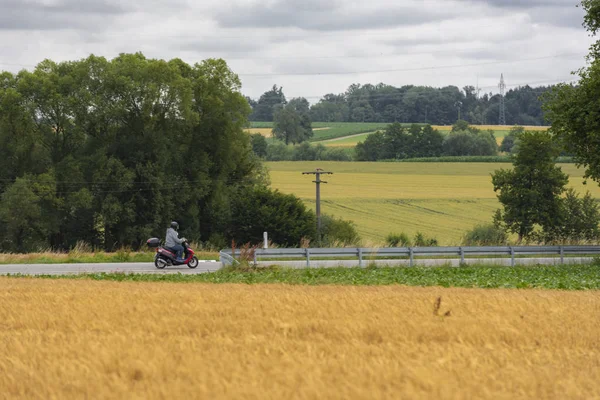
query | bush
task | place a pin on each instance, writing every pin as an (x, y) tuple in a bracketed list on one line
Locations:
[(283, 216), (259, 144), (279, 152), (398, 240), (306, 152), (485, 235), (338, 232), (470, 143), (423, 241)]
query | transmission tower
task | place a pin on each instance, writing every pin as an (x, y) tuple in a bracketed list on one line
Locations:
[(502, 86)]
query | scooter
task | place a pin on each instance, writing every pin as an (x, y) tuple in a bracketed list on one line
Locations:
[(166, 257)]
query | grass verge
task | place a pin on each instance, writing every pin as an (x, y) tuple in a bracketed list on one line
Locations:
[(581, 277)]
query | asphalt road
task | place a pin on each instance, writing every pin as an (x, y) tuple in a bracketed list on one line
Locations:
[(138, 268), (212, 266)]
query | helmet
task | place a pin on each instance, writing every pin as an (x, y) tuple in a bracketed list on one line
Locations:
[(174, 225)]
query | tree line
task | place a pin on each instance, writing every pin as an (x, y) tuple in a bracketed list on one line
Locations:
[(109, 152), (412, 104)]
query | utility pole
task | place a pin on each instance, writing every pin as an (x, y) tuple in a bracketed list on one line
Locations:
[(318, 172)]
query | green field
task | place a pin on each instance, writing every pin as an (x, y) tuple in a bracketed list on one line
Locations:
[(573, 277), (349, 134), (332, 130), (353, 140), (443, 200)]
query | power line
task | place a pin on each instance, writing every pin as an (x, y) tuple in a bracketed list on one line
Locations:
[(325, 73), (436, 67)]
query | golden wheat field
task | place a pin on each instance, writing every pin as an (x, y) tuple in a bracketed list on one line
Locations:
[(97, 339)]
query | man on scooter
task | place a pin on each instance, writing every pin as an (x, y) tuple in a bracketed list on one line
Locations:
[(173, 243)]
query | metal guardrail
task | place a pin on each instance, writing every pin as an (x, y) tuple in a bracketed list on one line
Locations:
[(412, 252)]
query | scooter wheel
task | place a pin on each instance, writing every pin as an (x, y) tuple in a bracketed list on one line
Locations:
[(160, 263), (193, 262)]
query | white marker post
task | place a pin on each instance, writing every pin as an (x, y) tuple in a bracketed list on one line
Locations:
[(265, 241)]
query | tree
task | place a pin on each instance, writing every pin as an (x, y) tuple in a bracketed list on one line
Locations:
[(510, 141), (573, 109), (268, 103), (530, 192), (21, 226), (470, 143), (372, 149), (109, 151), (260, 209), (292, 123), (580, 221), (259, 144)]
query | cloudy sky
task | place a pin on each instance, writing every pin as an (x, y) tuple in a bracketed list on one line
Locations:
[(313, 47)]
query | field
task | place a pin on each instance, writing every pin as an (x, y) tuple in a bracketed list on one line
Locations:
[(443, 200), (349, 134), (83, 338), (325, 130)]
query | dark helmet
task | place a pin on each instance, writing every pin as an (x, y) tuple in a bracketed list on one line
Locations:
[(174, 225)]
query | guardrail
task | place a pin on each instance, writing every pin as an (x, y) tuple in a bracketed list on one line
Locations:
[(411, 252)]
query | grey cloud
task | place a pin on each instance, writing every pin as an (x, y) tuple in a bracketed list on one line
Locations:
[(222, 45), (525, 4), (326, 16), (66, 14), (561, 13)]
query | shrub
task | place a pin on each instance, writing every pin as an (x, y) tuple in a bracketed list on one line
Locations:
[(470, 143), (398, 240), (485, 235), (338, 232), (423, 241), (283, 216), (259, 144)]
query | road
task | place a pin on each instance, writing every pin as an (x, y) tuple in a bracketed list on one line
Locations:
[(137, 268), (212, 266)]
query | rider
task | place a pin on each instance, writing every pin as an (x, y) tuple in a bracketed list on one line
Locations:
[(173, 242)]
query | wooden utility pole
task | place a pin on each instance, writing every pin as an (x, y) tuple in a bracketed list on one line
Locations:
[(318, 172)]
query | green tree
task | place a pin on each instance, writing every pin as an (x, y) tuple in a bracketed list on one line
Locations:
[(372, 149), (268, 103), (573, 109), (530, 193), (283, 216), (21, 226), (428, 142), (114, 150), (292, 123), (580, 220), (510, 141), (466, 140), (259, 144)]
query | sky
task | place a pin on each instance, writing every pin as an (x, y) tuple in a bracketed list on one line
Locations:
[(313, 47)]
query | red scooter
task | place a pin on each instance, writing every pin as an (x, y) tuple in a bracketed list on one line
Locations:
[(166, 257)]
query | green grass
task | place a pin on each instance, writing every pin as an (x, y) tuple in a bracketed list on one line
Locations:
[(353, 140), (341, 129), (471, 159), (584, 277), (443, 200), (334, 129), (260, 124)]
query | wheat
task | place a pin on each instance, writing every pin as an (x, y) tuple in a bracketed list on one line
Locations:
[(90, 339)]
